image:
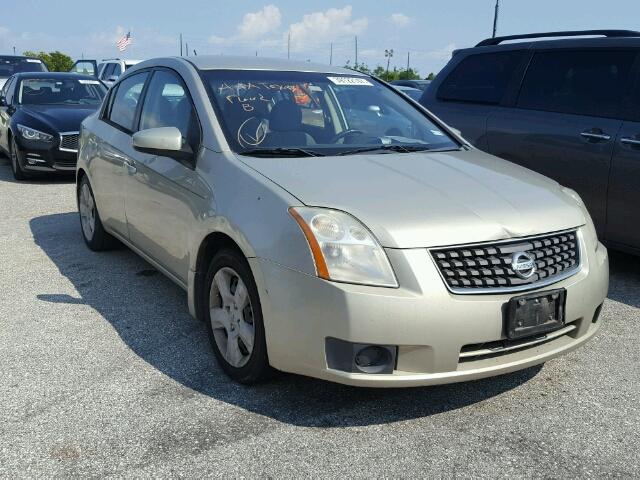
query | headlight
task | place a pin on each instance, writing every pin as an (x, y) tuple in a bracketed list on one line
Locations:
[(343, 249), (33, 134), (573, 194), (590, 234)]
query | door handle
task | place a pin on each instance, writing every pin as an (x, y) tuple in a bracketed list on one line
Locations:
[(597, 135), (129, 165), (635, 142)]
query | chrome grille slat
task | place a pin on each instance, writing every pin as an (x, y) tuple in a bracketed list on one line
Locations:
[(486, 268), (69, 141)]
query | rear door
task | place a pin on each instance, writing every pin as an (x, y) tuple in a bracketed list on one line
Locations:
[(565, 120), (623, 212), (110, 169), (472, 89)]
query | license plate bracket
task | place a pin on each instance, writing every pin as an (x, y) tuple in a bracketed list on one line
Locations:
[(536, 313)]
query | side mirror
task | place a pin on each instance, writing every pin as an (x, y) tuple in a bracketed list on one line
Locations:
[(375, 109), (163, 141)]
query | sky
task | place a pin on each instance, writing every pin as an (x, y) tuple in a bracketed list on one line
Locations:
[(426, 30)]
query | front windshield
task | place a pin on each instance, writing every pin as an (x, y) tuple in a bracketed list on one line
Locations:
[(60, 91), (324, 114), (11, 65)]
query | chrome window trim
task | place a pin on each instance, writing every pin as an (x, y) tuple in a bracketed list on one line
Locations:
[(521, 288), (62, 134)]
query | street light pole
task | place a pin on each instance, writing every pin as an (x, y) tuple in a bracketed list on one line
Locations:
[(495, 18)]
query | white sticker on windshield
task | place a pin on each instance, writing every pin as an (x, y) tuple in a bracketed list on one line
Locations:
[(89, 82), (33, 60), (437, 132), (351, 81)]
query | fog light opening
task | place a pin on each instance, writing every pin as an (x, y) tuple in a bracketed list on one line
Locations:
[(373, 359)]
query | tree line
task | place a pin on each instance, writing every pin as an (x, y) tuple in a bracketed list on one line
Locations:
[(395, 74)]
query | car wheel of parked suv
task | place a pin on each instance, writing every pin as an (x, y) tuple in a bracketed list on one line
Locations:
[(93, 232), (14, 152), (234, 318)]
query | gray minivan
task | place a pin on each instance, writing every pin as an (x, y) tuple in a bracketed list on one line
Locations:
[(568, 108)]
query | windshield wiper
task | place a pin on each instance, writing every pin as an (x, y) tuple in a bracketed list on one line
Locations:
[(282, 152), (391, 148)]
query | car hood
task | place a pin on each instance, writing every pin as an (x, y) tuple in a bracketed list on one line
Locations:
[(428, 199), (65, 118)]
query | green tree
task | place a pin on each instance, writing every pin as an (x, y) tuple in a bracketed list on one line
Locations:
[(431, 76), (55, 61)]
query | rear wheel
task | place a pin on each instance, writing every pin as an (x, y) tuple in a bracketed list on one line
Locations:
[(93, 232), (234, 318), (14, 153)]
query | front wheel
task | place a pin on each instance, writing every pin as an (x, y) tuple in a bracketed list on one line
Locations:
[(234, 318), (93, 232), (14, 154)]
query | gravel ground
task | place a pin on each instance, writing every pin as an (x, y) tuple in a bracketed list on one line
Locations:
[(104, 372)]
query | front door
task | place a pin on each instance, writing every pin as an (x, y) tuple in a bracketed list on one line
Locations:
[(164, 195)]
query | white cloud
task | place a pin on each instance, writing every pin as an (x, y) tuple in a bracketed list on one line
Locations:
[(399, 19), (260, 23), (254, 26), (443, 53), (321, 27)]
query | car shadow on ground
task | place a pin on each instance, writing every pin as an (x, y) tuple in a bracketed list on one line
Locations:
[(40, 179), (150, 315), (624, 286)]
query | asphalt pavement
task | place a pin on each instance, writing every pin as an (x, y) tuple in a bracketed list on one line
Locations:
[(103, 372)]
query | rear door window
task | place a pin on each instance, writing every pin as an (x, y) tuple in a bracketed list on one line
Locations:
[(589, 82), (125, 101), (481, 78)]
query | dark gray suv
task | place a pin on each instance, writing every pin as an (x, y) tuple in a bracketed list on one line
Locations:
[(568, 108)]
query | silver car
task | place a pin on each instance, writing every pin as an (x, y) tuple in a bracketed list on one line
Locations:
[(323, 224)]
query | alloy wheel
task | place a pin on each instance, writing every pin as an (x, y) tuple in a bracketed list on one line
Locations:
[(231, 317), (87, 209)]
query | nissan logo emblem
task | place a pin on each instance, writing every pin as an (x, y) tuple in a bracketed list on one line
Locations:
[(523, 264)]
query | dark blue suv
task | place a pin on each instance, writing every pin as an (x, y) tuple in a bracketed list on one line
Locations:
[(568, 108)]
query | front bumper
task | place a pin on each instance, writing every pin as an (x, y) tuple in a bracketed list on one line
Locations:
[(428, 324), (46, 158)]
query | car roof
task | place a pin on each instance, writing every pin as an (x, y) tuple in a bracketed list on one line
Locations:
[(53, 75), (226, 62), (559, 41), (19, 57)]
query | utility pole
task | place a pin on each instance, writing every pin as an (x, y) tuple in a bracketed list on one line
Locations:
[(186, 45), (180, 44), (14, 50), (195, 54), (356, 65), (388, 54), (289, 45), (495, 18), (331, 55), (407, 62)]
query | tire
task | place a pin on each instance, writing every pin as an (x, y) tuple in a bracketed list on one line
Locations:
[(14, 156), (235, 320), (93, 232)]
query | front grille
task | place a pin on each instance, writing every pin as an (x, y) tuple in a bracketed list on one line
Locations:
[(488, 268), (69, 141)]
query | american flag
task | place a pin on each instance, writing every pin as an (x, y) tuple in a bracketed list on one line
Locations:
[(124, 42)]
